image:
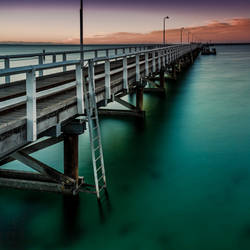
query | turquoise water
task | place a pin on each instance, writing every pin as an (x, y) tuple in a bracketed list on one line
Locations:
[(178, 181)]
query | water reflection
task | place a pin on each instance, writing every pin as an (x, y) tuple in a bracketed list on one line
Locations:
[(71, 214), (104, 206)]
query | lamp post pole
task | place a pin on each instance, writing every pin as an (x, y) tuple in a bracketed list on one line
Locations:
[(181, 33), (188, 36), (81, 29), (164, 29)]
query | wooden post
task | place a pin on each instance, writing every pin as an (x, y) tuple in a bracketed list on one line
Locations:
[(7, 66), (137, 67), (174, 71), (54, 58), (154, 64), (162, 79), (139, 98), (71, 156), (31, 106), (64, 60), (79, 90), (168, 57), (164, 59), (107, 81), (146, 65), (125, 74), (159, 60), (40, 62), (179, 65)]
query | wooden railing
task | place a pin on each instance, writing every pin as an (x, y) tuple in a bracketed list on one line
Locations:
[(92, 53), (157, 57)]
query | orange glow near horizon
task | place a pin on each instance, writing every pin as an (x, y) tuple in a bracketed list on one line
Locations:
[(61, 26), (232, 31)]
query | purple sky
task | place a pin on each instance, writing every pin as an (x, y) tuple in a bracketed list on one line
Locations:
[(130, 4), (58, 20)]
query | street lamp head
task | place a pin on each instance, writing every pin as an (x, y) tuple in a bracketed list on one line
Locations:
[(166, 17)]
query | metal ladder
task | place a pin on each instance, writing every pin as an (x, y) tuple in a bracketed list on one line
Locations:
[(94, 133)]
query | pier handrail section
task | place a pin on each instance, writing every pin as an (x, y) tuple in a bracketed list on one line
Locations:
[(31, 95), (152, 59), (92, 53)]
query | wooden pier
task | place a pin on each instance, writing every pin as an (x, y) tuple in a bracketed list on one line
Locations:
[(44, 109)]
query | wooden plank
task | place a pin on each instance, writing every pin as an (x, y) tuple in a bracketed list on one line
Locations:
[(35, 147), (121, 113), (125, 104), (42, 168), (35, 186), (63, 105), (23, 175)]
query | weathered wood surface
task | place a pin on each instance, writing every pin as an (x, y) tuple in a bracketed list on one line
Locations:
[(59, 108), (52, 109)]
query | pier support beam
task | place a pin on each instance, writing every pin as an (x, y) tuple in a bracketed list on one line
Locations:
[(174, 75), (71, 156), (162, 78), (139, 98)]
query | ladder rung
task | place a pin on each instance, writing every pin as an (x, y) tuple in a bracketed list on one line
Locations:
[(100, 178), (98, 169), (95, 128), (98, 158), (102, 187), (95, 138)]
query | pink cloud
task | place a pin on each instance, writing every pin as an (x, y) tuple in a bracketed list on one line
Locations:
[(234, 30)]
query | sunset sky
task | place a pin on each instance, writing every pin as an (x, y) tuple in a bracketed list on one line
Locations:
[(130, 21)]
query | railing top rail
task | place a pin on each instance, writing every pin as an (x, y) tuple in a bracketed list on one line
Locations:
[(136, 53), (24, 69), (71, 51)]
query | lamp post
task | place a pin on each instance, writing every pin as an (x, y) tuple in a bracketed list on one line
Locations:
[(164, 29), (181, 33), (188, 36), (81, 29)]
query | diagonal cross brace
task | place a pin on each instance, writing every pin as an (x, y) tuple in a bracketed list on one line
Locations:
[(125, 104), (42, 168)]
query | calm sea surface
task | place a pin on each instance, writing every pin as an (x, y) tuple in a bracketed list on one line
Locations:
[(178, 181)]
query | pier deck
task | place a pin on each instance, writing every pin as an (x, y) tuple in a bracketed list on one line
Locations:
[(34, 107)]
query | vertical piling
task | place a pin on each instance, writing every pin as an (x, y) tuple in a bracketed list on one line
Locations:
[(162, 79), (71, 156), (174, 75), (139, 98)]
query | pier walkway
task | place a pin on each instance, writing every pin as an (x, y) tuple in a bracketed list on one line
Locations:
[(46, 108)]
